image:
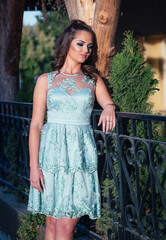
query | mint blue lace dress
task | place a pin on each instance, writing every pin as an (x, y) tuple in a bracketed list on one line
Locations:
[(67, 153)]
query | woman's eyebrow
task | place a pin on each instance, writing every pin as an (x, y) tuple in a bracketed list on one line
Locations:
[(84, 42)]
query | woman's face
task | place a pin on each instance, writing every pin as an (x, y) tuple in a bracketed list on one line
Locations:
[(80, 47)]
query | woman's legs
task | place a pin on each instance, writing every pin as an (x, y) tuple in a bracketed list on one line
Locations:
[(65, 228), (60, 229), (50, 228)]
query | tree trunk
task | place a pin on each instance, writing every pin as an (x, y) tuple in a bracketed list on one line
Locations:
[(11, 17), (103, 16)]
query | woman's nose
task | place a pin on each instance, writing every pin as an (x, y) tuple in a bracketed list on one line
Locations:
[(86, 49)]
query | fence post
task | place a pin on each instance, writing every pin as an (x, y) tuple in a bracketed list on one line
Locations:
[(122, 180)]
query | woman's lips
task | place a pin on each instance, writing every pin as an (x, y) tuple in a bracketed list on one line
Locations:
[(83, 55)]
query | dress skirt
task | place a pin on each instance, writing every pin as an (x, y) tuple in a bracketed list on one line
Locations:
[(68, 161)]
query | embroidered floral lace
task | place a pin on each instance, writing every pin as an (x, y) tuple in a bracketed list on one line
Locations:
[(67, 154)]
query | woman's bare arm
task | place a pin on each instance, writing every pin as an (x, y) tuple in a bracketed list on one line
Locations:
[(107, 117), (39, 108)]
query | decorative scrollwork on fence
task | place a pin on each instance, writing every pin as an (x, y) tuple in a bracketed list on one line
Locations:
[(136, 202)]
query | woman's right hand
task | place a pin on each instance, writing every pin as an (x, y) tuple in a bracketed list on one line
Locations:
[(37, 179)]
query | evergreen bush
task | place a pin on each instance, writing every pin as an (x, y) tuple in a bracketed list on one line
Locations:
[(131, 78), (132, 81)]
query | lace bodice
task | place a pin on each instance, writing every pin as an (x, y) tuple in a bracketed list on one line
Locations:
[(70, 98), (70, 83)]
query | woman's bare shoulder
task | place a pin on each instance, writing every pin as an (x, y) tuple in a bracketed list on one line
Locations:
[(42, 81), (42, 78)]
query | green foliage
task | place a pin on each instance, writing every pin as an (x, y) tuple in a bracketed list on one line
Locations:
[(108, 215), (30, 226), (36, 52), (131, 78), (55, 24)]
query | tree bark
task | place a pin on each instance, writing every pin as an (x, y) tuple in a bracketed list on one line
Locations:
[(11, 18), (102, 16)]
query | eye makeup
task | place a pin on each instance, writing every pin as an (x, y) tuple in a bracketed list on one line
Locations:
[(90, 46), (80, 44)]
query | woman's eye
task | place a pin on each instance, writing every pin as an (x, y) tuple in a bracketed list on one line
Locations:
[(80, 44), (90, 46)]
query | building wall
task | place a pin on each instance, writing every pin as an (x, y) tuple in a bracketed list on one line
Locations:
[(155, 54)]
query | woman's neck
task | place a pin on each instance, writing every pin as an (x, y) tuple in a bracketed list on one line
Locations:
[(72, 68)]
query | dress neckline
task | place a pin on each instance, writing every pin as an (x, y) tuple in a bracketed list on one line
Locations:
[(72, 75)]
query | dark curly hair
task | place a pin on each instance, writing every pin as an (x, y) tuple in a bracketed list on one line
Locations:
[(63, 45)]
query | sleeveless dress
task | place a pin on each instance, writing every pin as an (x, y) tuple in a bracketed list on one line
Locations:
[(67, 153)]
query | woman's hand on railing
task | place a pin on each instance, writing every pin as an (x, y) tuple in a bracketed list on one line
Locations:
[(107, 118)]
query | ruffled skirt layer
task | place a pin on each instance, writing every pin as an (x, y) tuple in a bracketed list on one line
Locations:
[(67, 195), (68, 160)]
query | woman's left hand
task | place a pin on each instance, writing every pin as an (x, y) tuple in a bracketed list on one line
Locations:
[(108, 118)]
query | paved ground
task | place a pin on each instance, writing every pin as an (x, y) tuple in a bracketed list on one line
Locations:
[(4, 237)]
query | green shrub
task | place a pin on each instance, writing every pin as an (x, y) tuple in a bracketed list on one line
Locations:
[(30, 226), (131, 78)]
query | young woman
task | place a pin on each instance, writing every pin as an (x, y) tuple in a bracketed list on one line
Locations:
[(63, 157)]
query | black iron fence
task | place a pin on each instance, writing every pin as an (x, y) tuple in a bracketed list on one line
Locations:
[(15, 121), (132, 170), (134, 167)]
